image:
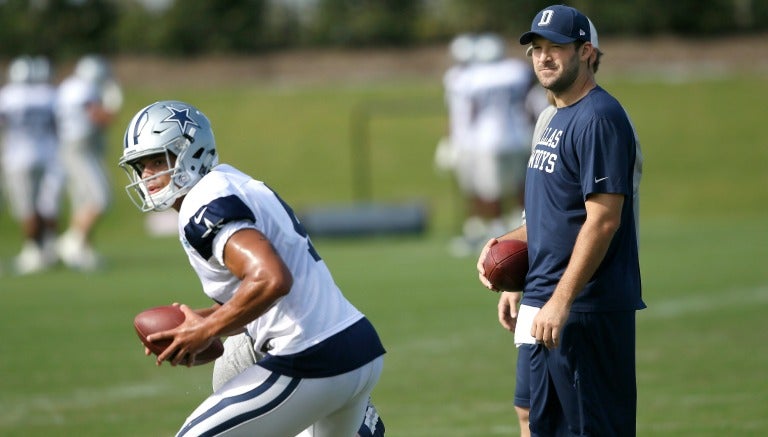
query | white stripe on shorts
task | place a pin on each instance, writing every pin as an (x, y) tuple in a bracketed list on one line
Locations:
[(232, 411)]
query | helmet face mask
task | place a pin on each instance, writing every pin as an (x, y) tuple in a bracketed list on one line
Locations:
[(138, 190), (179, 132), (489, 48)]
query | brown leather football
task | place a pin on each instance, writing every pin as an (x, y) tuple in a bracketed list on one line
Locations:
[(507, 264), (167, 317)]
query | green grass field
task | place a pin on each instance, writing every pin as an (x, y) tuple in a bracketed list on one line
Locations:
[(71, 365)]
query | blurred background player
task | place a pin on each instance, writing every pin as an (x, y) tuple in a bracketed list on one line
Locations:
[(456, 86), (499, 100), (88, 102), (456, 82), (31, 168)]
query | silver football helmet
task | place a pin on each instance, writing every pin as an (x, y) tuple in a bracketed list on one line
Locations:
[(20, 70), (179, 132), (93, 68), (489, 48), (462, 48)]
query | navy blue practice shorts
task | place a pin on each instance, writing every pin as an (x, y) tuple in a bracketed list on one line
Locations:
[(523, 376), (587, 386)]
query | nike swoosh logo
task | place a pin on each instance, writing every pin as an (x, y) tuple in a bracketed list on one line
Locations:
[(199, 217), (601, 179)]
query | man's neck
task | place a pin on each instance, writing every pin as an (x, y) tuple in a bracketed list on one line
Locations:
[(580, 88)]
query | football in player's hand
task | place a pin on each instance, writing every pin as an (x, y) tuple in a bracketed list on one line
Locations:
[(506, 265), (167, 317)]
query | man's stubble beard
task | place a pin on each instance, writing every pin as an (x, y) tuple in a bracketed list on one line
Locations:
[(566, 79)]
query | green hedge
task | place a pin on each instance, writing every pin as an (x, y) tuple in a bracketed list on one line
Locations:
[(65, 28)]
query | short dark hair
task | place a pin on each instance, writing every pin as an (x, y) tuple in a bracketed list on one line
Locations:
[(596, 64)]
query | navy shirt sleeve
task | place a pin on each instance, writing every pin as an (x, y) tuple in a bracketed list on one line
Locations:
[(606, 157), (207, 221)]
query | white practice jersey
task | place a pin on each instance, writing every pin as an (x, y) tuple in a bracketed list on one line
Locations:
[(501, 105), (29, 128), (227, 200), (457, 83), (75, 95)]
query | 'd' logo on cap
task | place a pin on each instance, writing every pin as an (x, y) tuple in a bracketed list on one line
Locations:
[(558, 23), (546, 17)]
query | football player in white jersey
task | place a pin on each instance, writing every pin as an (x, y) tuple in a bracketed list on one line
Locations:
[(88, 103), (502, 101), (321, 355), (456, 85), (31, 167)]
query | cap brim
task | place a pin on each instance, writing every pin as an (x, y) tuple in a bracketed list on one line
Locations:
[(555, 37)]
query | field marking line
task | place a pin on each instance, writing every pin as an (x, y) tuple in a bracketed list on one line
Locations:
[(52, 409), (702, 303)]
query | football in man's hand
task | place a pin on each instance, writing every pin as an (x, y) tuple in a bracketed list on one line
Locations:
[(167, 317), (506, 265)]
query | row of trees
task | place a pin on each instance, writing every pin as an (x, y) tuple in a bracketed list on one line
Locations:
[(65, 28)]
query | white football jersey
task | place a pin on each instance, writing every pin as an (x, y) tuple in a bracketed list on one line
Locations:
[(75, 94), (227, 200), (500, 96), (29, 128), (456, 83)]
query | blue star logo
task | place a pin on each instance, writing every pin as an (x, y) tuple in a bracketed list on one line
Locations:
[(181, 117)]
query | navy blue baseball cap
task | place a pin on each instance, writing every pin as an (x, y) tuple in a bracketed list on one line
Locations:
[(560, 24)]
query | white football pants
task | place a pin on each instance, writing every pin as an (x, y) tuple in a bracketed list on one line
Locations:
[(258, 402)]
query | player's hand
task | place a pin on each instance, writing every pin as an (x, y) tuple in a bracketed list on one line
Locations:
[(508, 304), (481, 260), (187, 340), (549, 322)]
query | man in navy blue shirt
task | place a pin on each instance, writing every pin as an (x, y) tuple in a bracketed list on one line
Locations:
[(583, 284)]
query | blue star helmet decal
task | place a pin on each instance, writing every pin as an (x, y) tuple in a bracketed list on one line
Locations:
[(181, 117)]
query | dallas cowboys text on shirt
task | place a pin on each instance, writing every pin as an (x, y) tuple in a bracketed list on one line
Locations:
[(541, 158)]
